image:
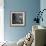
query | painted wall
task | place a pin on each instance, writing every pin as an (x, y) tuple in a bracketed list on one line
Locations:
[(30, 7), (43, 6)]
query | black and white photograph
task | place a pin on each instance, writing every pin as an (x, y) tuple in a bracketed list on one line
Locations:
[(17, 18)]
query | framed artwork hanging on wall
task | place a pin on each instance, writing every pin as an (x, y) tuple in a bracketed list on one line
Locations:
[(17, 18)]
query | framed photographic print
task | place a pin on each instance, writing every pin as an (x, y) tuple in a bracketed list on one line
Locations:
[(17, 18)]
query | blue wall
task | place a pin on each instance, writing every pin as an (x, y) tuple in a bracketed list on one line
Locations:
[(43, 6), (29, 7)]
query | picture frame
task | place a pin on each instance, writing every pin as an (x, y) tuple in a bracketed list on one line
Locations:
[(17, 18)]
